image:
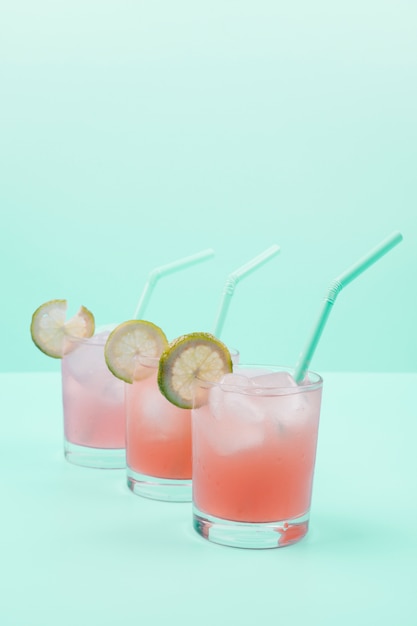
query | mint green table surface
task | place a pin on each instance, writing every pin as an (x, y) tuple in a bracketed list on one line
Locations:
[(78, 548)]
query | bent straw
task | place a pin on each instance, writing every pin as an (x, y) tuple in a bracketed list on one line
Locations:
[(233, 279), (164, 270), (335, 288)]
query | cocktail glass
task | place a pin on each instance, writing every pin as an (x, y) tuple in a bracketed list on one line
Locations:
[(158, 440), (94, 406), (254, 449)]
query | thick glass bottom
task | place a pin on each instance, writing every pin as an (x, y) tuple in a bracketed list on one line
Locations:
[(250, 535), (99, 458), (171, 490)]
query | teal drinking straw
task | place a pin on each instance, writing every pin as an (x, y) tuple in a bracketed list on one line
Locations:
[(234, 278), (163, 270), (335, 287)]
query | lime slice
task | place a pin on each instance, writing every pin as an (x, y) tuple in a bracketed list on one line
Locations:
[(194, 356), (49, 329), (128, 347)]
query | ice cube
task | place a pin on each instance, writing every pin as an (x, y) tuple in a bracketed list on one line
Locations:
[(283, 400), (112, 391), (155, 414), (274, 380), (243, 437), (251, 372), (278, 398), (228, 400), (237, 419), (230, 382), (87, 359)]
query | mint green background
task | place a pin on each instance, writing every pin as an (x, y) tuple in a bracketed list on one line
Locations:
[(135, 133), (78, 548)]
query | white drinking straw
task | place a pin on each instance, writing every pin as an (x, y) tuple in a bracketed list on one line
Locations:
[(335, 288), (233, 279), (164, 270)]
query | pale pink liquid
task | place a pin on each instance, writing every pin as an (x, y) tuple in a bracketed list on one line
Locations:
[(93, 399), (158, 434), (255, 470)]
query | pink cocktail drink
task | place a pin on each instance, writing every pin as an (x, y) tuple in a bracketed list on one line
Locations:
[(254, 449), (94, 408), (158, 439), (158, 442)]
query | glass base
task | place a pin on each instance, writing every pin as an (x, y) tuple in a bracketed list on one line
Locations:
[(99, 458), (250, 535), (171, 490)]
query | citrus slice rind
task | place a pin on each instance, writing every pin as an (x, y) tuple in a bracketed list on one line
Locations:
[(50, 332), (194, 357), (132, 348)]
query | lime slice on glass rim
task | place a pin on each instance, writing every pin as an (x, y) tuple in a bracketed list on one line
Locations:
[(130, 345), (190, 358), (49, 330)]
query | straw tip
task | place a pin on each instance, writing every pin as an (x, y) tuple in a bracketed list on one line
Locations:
[(395, 237), (275, 248)]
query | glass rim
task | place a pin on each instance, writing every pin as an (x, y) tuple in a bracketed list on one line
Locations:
[(146, 361), (153, 361), (88, 340), (314, 381)]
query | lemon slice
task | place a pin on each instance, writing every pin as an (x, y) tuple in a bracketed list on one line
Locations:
[(188, 358), (128, 347), (49, 329)]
